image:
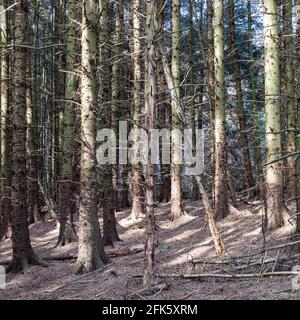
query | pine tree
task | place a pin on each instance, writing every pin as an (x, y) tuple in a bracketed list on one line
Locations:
[(149, 115), (23, 254), (137, 207), (5, 136), (176, 201), (274, 178), (91, 255), (66, 232), (220, 183), (240, 99)]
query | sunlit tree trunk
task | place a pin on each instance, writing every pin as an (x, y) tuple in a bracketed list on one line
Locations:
[(176, 197), (289, 101), (274, 178), (137, 207), (221, 196), (254, 105), (91, 255)]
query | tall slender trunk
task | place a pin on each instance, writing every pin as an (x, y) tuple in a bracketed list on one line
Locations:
[(115, 92), (254, 105), (221, 194), (163, 116), (176, 196), (289, 101), (240, 99), (23, 254), (211, 84), (5, 135), (297, 101), (66, 185), (137, 206), (91, 255), (149, 113), (34, 204), (191, 90), (274, 177), (110, 174)]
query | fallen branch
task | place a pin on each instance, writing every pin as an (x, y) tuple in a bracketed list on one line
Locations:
[(260, 263), (112, 253), (237, 258), (219, 245), (227, 276)]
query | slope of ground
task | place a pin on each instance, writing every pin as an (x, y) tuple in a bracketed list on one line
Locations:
[(179, 242)]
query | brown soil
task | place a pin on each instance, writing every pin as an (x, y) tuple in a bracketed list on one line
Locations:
[(179, 242)]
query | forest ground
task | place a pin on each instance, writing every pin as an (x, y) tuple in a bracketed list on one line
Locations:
[(179, 242)]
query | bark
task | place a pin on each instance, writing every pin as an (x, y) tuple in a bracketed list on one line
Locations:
[(5, 134), (254, 106), (220, 183), (194, 122), (274, 177), (176, 196), (240, 99), (149, 113), (136, 191), (219, 245), (163, 114), (91, 255), (34, 204), (297, 101), (289, 100), (115, 93), (109, 174), (211, 82), (23, 254)]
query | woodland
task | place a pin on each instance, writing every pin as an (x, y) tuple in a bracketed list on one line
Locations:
[(75, 227)]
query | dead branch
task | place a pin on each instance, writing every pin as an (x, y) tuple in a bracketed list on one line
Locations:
[(111, 252), (219, 245), (237, 258), (227, 276)]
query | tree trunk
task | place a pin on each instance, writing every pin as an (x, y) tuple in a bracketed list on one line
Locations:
[(211, 85), (221, 196), (274, 178), (34, 205), (254, 107), (163, 116), (289, 101), (297, 99), (5, 134), (176, 196), (66, 185), (137, 206), (240, 100), (110, 183), (23, 254), (149, 113), (91, 255)]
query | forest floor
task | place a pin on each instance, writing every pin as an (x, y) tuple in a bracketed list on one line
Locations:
[(179, 242)]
